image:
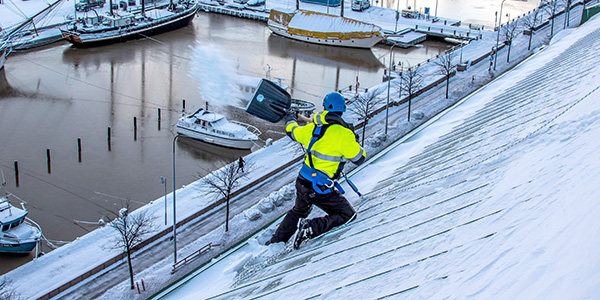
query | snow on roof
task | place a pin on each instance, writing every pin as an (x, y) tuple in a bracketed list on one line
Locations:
[(314, 21), (494, 200)]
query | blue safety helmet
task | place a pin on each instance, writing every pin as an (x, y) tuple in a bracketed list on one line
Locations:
[(334, 102)]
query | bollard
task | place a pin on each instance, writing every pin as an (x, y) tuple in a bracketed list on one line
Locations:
[(48, 160), (17, 173), (138, 287), (143, 285)]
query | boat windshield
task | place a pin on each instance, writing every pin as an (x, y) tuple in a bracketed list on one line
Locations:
[(12, 225)]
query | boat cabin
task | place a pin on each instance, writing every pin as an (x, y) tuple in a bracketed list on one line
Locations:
[(10, 216)]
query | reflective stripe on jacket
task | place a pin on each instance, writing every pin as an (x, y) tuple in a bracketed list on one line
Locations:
[(336, 146)]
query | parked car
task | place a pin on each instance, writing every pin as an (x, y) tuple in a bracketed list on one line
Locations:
[(86, 5), (360, 5)]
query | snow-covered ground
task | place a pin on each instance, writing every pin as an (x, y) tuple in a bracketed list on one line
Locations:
[(494, 200)]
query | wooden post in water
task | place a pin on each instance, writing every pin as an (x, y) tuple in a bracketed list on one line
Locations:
[(17, 173), (159, 118), (134, 128), (108, 140), (48, 160), (79, 148), (183, 104)]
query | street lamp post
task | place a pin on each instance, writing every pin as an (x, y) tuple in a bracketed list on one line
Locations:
[(174, 215), (163, 181), (498, 37), (397, 15), (387, 104)]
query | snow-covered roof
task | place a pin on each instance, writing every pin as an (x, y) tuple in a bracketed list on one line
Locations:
[(496, 199)]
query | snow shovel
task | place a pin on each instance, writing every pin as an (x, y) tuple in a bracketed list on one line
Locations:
[(270, 102)]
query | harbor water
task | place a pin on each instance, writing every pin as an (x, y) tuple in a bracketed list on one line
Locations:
[(91, 129)]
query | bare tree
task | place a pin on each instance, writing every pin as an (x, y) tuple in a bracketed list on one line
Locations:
[(132, 229), (364, 106), (509, 33), (410, 82), (446, 65), (6, 291), (552, 8), (530, 22), (222, 182), (567, 12)]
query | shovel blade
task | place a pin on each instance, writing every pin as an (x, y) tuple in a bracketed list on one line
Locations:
[(270, 102)]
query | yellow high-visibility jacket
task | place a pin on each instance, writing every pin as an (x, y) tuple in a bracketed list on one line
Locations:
[(337, 145)]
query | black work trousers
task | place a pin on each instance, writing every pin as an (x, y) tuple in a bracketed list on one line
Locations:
[(338, 209)]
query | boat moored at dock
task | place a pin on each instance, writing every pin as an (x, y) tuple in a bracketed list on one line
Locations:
[(324, 29), (122, 26), (19, 234), (214, 128)]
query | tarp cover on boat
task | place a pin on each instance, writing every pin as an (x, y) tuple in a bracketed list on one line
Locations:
[(320, 25)]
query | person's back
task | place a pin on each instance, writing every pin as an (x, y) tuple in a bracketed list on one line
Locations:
[(329, 143)]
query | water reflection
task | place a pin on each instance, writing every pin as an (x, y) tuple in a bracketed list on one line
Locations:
[(208, 152), (4, 87), (349, 58)]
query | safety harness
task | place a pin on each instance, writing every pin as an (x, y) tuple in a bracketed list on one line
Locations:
[(321, 182)]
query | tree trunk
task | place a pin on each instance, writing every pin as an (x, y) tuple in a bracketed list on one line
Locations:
[(409, 100), (508, 53), (447, 84), (130, 267), (227, 216), (362, 143), (530, 36)]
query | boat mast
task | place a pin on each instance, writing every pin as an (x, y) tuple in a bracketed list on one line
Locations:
[(30, 20)]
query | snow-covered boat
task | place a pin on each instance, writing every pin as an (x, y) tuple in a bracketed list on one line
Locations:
[(325, 29), (19, 234), (121, 26), (214, 128)]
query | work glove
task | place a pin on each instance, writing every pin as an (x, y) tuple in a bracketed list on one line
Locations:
[(291, 116)]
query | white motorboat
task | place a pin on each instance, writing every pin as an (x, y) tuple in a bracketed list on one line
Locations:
[(324, 29), (214, 128), (19, 234)]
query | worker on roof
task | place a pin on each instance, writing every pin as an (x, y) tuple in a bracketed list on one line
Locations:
[(329, 142)]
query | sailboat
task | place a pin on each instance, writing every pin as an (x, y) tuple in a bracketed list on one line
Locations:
[(26, 35), (120, 26), (325, 29)]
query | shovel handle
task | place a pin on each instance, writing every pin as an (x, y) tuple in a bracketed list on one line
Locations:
[(304, 118)]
